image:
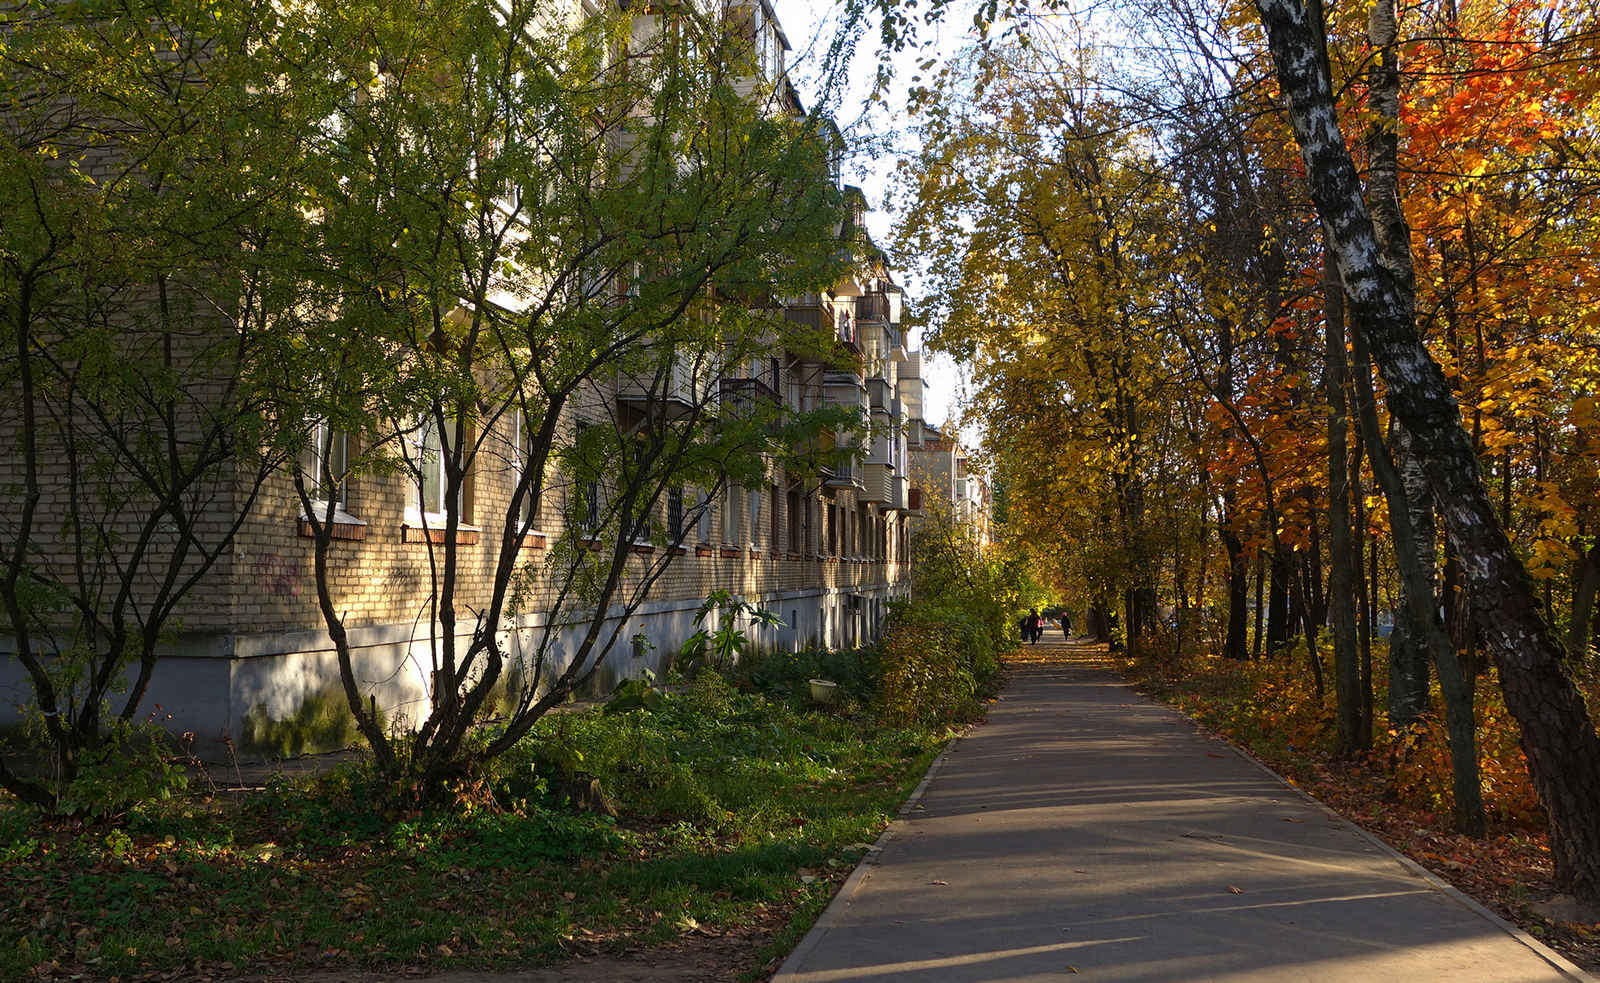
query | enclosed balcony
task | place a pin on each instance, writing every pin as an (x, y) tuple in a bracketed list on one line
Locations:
[(845, 389), (671, 392), (876, 482), (899, 492), (878, 393)]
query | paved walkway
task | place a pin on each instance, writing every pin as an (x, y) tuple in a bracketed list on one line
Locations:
[(1085, 832)]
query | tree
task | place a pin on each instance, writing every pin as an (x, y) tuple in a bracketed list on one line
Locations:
[(146, 271), (1562, 747), (550, 255)]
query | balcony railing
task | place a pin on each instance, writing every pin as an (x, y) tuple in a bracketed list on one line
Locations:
[(872, 307), (671, 394), (846, 476), (733, 390), (878, 392)]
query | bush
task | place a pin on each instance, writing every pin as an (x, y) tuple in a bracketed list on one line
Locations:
[(1422, 775), (787, 675), (936, 666)]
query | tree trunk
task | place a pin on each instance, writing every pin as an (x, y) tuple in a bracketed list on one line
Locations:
[(1559, 740), (1278, 599), (1365, 587), (1408, 650), (1236, 644), (1350, 738), (1261, 579), (1587, 583)]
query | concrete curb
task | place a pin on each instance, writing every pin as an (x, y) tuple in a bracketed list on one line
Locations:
[(1557, 961), (832, 914)]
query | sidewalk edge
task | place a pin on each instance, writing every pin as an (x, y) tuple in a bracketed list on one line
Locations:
[(1557, 961), (842, 898)]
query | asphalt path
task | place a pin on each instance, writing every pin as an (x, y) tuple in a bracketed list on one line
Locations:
[(1085, 832)]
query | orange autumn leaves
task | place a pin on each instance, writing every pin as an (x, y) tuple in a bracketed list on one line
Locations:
[(1498, 161), (1497, 147)]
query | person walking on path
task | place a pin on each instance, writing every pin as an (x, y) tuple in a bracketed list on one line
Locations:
[(1066, 624), (1035, 626)]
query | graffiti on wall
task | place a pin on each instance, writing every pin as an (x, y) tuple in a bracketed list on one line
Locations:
[(278, 576)]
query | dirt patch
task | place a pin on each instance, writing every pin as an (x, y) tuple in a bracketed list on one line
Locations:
[(698, 957)]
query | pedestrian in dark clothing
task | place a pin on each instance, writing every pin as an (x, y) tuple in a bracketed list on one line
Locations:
[(1066, 625), (1035, 626)]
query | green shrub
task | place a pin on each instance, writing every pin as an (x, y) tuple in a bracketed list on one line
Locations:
[(787, 675), (937, 666), (132, 764)]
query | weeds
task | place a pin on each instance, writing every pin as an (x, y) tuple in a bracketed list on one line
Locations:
[(723, 798)]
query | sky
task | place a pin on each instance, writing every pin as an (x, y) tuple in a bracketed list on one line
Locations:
[(809, 25)]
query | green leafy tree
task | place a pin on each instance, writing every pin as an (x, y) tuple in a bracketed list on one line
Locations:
[(545, 251), (148, 270)]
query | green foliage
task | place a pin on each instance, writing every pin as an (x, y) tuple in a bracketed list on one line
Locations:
[(131, 764), (941, 649), (788, 674), (636, 694), (726, 801), (936, 664), (722, 646)]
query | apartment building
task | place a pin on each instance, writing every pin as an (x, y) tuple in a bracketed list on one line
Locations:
[(941, 468), (824, 547)]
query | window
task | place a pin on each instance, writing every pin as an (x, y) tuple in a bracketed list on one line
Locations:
[(675, 513), (586, 482), (591, 505), (324, 462), (772, 544), (428, 497), (730, 516), (754, 512), (795, 525), (522, 443), (703, 518)]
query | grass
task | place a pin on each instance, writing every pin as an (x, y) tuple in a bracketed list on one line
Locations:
[(728, 804)]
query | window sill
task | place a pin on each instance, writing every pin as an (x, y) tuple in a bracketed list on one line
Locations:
[(534, 540), (344, 526), (703, 551), (728, 554), (414, 530)]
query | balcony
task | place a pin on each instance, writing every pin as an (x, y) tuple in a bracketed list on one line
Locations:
[(876, 485), (878, 393), (899, 489), (669, 394), (845, 389), (847, 333), (846, 476), (756, 381), (897, 342), (873, 307)]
